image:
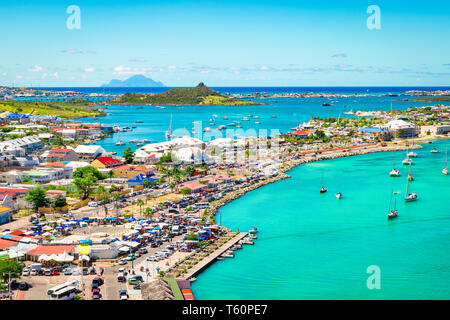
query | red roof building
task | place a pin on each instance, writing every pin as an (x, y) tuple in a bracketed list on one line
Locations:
[(51, 249), (105, 162)]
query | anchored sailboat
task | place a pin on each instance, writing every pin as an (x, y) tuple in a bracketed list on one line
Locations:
[(323, 189), (410, 196), (393, 213), (169, 134), (394, 172), (445, 170)]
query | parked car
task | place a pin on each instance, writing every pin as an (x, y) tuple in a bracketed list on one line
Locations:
[(24, 286), (121, 277), (122, 262), (135, 279), (84, 271), (123, 294), (47, 272), (92, 271), (26, 272), (67, 272), (96, 296), (143, 250)]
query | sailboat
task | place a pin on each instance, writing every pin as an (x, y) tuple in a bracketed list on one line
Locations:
[(410, 176), (394, 172), (169, 131), (393, 213), (323, 189), (445, 170), (409, 196)]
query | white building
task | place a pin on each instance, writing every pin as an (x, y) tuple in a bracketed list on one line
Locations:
[(89, 152), (21, 146)]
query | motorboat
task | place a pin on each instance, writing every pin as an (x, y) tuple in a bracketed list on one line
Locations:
[(245, 119), (222, 127), (139, 121), (323, 190), (207, 129), (120, 143), (247, 241), (434, 150), (257, 122), (338, 195), (253, 230), (133, 141), (228, 254)]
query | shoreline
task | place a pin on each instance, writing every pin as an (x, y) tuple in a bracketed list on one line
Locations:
[(291, 164)]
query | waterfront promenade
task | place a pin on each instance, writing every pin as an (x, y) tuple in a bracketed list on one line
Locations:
[(213, 256)]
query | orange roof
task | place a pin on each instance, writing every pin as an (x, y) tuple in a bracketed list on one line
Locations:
[(49, 249), (6, 243), (61, 150), (300, 133), (5, 209), (55, 164), (60, 155)]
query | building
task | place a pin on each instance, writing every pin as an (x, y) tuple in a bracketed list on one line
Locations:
[(402, 129), (55, 155), (105, 162), (195, 186), (48, 250), (21, 146), (89, 152), (139, 179), (5, 215), (157, 150)]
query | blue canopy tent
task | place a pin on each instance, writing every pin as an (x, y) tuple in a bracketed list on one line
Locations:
[(139, 179)]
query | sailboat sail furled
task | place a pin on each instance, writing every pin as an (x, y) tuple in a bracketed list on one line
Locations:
[(409, 196), (393, 213), (445, 170), (394, 172)]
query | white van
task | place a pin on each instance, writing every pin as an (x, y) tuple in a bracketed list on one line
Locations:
[(92, 204)]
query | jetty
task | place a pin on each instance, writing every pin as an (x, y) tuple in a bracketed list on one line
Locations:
[(213, 256)]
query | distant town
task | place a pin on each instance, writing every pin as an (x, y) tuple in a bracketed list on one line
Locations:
[(143, 224)]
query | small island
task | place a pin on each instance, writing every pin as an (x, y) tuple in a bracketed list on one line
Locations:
[(200, 95), (78, 108)]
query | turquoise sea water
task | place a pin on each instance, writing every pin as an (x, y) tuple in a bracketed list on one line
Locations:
[(289, 113), (313, 246)]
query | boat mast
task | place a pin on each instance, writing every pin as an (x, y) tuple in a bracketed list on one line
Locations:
[(407, 182), (446, 157)]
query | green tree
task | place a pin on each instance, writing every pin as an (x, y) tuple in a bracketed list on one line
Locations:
[(37, 197), (88, 170), (60, 202), (140, 203), (128, 155), (185, 191), (189, 170), (84, 185), (148, 213), (110, 175), (10, 269)]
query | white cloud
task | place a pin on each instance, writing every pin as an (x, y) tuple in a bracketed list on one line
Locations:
[(171, 67), (264, 68), (89, 70), (76, 51), (123, 70), (339, 55), (36, 68), (140, 59)]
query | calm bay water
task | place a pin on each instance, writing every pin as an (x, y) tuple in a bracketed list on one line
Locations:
[(288, 112), (313, 246)]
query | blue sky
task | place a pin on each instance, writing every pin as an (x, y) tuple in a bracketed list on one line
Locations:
[(226, 43)]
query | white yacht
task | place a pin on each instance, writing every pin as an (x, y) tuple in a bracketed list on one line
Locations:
[(411, 154), (407, 161)]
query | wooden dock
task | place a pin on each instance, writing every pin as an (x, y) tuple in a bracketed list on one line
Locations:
[(213, 256)]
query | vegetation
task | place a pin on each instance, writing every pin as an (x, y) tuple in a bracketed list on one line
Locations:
[(128, 155), (200, 95), (444, 98), (10, 269), (37, 197), (67, 110)]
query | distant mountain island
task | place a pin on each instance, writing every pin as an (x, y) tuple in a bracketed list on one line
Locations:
[(200, 95), (134, 81)]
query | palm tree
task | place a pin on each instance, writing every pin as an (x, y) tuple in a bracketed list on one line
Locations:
[(116, 198), (106, 199), (110, 175), (148, 213), (140, 203)]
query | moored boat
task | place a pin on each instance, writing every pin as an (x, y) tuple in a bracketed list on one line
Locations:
[(338, 195), (253, 230), (393, 213)]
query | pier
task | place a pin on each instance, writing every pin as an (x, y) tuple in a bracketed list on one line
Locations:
[(213, 256)]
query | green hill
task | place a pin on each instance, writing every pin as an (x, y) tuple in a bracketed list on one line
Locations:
[(200, 95)]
